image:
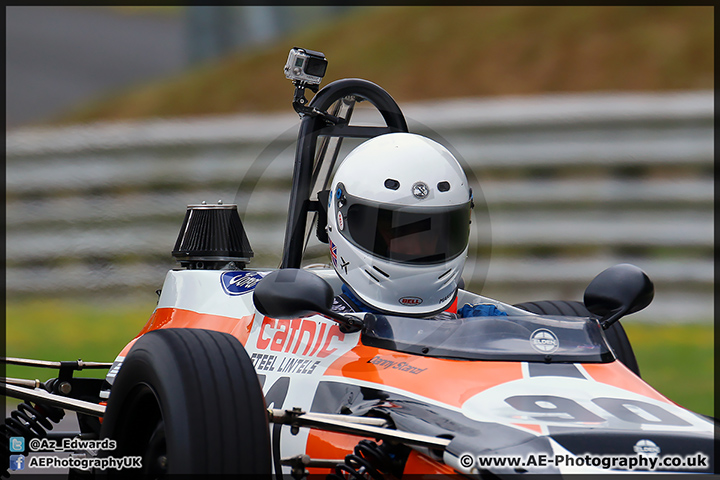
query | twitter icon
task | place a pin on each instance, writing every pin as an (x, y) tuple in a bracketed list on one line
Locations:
[(17, 444)]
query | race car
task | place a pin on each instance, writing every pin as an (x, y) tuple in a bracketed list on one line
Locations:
[(250, 370)]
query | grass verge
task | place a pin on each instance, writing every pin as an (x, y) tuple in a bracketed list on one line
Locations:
[(429, 52), (678, 361)]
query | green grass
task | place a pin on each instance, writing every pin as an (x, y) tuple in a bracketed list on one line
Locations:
[(675, 359), (678, 361), (60, 330), (424, 53)]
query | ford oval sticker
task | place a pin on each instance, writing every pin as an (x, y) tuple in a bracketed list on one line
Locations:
[(238, 283)]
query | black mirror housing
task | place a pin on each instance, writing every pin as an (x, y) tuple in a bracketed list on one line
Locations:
[(618, 291), (292, 293)]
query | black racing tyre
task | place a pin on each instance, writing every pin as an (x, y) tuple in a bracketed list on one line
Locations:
[(188, 401), (616, 336)]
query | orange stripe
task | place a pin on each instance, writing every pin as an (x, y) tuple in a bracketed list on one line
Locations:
[(104, 404), (179, 318), (329, 446), (418, 464), (530, 426), (618, 375), (448, 381), (128, 347)]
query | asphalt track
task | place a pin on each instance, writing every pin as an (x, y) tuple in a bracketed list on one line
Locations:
[(57, 57)]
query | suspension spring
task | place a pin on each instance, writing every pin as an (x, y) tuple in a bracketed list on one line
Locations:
[(368, 461), (28, 422)]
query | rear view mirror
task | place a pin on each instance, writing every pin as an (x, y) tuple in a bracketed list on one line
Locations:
[(292, 293), (618, 291)]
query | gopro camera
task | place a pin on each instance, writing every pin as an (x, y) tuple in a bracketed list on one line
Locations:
[(305, 66)]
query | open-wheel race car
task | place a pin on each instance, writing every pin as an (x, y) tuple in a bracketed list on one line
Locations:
[(252, 370)]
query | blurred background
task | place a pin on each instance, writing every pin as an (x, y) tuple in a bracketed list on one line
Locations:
[(588, 132)]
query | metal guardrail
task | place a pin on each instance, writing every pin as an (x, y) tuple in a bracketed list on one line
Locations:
[(572, 184)]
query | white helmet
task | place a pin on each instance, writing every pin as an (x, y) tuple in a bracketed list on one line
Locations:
[(399, 222)]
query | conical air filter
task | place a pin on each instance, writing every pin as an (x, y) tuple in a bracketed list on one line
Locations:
[(212, 233)]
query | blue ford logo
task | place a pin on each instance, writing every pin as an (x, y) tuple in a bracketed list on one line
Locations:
[(238, 283)]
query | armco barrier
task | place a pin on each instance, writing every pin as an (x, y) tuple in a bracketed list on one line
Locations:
[(571, 184)]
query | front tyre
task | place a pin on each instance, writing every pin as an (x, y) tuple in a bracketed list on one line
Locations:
[(188, 401)]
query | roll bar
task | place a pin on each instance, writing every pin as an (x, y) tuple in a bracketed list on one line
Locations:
[(312, 126)]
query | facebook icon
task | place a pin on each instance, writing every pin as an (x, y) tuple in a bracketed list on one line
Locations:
[(17, 462)]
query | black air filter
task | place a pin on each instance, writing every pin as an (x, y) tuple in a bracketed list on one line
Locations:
[(212, 235)]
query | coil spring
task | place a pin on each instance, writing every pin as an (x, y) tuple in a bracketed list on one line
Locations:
[(369, 461), (28, 422)]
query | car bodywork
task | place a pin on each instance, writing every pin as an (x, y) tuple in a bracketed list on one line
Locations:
[(481, 382), (439, 392)]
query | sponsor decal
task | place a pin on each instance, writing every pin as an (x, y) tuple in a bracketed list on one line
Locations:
[(646, 447), (344, 264), (333, 252), (290, 357), (239, 283), (288, 336), (402, 366), (446, 297), (420, 190), (340, 221), (281, 364), (544, 341), (410, 301)]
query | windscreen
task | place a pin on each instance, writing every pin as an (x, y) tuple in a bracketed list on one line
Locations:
[(519, 338)]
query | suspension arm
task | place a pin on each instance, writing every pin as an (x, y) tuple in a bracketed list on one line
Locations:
[(41, 396), (353, 425)]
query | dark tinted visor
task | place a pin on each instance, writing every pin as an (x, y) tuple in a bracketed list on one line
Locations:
[(417, 235)]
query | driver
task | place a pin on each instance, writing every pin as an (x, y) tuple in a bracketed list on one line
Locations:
[(398, 227)]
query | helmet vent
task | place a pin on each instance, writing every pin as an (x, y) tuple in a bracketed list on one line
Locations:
[(441, 276), (386, 275), (449, 280), (371, 276), (443, 186), (392, 184)]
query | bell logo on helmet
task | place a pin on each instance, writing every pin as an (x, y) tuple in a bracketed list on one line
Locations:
[(420, 190), (410, 301)]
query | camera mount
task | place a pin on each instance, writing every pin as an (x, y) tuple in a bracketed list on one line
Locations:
[(300, 104), (306, 68)]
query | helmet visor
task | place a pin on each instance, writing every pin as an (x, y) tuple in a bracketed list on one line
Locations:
[(407, 234)]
